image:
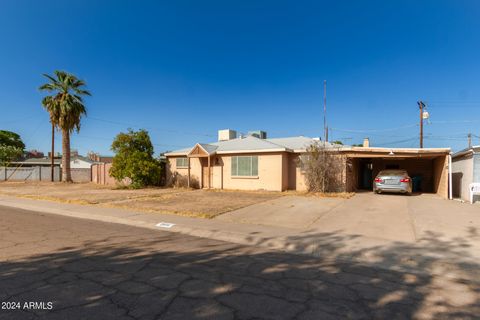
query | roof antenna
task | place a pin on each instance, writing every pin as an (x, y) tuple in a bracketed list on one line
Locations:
[(325, 134)]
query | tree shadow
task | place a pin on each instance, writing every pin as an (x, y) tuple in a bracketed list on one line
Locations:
[(161, 275)]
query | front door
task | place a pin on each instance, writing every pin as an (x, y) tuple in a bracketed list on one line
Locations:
[(204, 163)]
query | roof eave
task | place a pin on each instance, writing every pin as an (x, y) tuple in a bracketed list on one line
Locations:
[(173, 154), (462, 153), (399, 150), (254, 151)]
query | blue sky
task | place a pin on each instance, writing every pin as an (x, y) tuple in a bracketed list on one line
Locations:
[(184, 69)]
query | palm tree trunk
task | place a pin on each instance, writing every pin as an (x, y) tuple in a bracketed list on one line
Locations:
[(66, 175)]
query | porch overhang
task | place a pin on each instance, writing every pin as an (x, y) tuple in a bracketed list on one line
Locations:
[(202, 151)]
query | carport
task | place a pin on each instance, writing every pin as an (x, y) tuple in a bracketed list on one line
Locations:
[(428, 166)]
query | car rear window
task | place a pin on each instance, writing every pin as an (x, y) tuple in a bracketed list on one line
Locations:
[(392, 173)]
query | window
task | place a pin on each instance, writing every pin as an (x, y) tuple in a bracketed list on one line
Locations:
[(245, 166), (182, 162), (302, 161), (392, 166)]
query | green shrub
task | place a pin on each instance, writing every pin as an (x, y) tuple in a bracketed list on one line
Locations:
[(134, 159)]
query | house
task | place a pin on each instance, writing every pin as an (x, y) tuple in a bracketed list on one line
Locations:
[(33, 154), (80, 162), (32, 169), (77, 162), (38, 162), (80, 167), (257, 163), (465, 170), (250, 162)]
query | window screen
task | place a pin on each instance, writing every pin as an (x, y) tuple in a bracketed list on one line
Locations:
[(246, 166), (182, 162)]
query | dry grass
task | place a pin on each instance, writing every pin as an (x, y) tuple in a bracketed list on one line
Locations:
[(83, 193), (185, 202), (343, 195)]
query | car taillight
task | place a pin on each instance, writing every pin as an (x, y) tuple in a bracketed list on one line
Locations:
[(405, 180), (378, 180)]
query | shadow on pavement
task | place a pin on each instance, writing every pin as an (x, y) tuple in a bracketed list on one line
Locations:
[(117, 272)]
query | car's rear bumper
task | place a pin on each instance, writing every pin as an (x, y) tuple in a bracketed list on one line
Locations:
[(403, 187)]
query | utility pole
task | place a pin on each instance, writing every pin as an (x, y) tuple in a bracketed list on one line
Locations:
[(469, 140), (52, 155), (325, 133), (421, 105)]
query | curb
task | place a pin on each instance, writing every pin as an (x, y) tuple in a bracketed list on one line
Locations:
[(310, 247)]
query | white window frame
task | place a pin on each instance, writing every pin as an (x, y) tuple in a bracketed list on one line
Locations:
[(234, 173), (181, 166)]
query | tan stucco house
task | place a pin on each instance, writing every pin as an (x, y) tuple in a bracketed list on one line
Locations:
[(252, 162)]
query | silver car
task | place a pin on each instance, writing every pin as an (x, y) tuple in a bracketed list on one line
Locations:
[(392, 181)]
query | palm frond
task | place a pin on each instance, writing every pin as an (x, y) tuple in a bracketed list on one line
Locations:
[(66, 106)]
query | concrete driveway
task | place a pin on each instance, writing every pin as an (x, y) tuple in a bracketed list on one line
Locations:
[(387, 216), (287, 212)]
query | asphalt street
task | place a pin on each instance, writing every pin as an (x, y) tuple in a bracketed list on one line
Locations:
[(54, 267)]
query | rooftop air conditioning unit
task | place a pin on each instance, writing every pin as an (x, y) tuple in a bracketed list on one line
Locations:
[(226, 134), (258, 133)]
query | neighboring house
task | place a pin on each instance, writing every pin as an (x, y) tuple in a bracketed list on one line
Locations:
[(40, 162), (465, 170), (254, 163), (33, 154), (79, 162), (32, 170), (245, 163), (81, 167)]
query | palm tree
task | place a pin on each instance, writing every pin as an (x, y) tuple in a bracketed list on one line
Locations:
[(66, 108)]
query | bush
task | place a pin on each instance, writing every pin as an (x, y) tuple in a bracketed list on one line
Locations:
[(323, 167), (179, 181), (134, 159)]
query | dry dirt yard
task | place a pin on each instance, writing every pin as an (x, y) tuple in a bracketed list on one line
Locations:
[(193, 203)]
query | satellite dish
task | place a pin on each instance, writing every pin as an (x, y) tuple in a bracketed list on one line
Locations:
[(425, 115)]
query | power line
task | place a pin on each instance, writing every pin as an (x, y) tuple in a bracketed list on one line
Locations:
[(452, 102), (454, 121), (444, 138), (34, 132), (369, 131), (374, 130), (398, 141), (151, 128), (18, 119), (110, 139)]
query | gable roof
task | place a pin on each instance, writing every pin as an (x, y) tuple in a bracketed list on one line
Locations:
[(209, 148), (82, 158), (202, 149), (251, 144)]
